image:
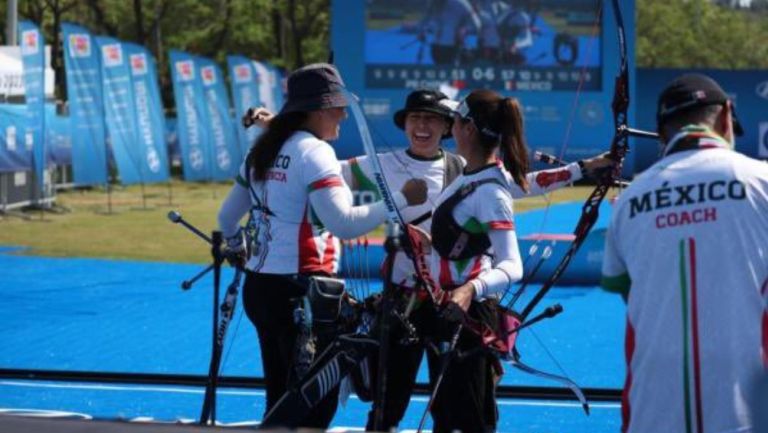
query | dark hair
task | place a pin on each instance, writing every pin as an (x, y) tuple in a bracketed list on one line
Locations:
[(500, 125), (266, 148), (702, 115)]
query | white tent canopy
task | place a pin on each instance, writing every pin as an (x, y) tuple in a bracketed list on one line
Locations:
[(12, 72)]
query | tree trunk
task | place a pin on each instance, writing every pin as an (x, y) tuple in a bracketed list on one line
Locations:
[(277, 30), (139, 19), (222, 35), (100, 18), (296, 36)]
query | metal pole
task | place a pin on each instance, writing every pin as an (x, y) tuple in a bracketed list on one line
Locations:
[(12, 21)]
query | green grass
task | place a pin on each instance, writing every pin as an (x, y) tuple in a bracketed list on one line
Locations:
[(132, 232)]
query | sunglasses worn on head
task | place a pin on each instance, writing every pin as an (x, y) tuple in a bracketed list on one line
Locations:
[(462, 110)]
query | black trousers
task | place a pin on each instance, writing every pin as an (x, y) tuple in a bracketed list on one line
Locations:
[(403, 366), (269, 301), (466, 400)]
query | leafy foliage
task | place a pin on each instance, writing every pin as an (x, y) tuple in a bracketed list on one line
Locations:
[(291, 33), (701, 34), (287, 33)]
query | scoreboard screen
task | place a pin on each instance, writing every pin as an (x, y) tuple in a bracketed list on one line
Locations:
[(529, 45)]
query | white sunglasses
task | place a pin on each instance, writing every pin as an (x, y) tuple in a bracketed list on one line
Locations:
[(462, 110)]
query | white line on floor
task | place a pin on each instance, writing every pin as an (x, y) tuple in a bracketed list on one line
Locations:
[(184, 390)]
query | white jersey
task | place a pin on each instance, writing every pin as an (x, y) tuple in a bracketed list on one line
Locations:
[(398, 166), (290, 238), (689, 241), (488, 208), (401, 165)]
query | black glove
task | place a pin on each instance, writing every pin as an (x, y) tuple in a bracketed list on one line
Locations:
[(449, 317), (235, 251)]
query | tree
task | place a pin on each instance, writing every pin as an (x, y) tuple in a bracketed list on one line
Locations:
[(699, 34)]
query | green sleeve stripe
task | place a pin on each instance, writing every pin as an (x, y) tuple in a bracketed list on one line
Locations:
[(619, 284), (475, 227), (363, 183)]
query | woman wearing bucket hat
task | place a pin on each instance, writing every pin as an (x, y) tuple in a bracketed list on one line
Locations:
[(291, 185), (426, 120)]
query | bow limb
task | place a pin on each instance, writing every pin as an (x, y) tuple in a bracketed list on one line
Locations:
[(516, 363), (618, 150), (393, 214), (590, 210)]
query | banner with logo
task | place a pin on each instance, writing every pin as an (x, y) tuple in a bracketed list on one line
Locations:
[(149, 115), (33, 61), (14, 154), (118, 110), (192, 117), (86, 108), (225, 154), (245, 91)]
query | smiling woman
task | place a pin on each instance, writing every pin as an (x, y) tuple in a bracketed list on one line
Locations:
[(292, 189)]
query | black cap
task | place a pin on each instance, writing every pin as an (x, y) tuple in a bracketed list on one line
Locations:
[(692, 91), (425, 100), (314, 87)]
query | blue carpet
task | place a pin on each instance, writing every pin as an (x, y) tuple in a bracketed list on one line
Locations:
[(122, 316)]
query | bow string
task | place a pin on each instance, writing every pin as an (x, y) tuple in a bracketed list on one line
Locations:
[(604, 179)]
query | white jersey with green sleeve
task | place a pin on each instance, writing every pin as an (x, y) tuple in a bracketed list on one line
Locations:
[(398, 166), (688, 244), (488, 210)]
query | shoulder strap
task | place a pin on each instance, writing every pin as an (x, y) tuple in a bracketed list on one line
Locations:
[(453, 168), (256, 203)]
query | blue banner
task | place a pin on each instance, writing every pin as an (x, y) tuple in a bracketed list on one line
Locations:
[(191, 116), (14, 154), (150, 118), (33, 60), (225, 152), (245, 91), (266, 87), (118, 109), (86, 108), (58, 136)]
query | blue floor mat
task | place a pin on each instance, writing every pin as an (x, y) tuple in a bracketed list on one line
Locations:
[(132, 317), (167, 403)]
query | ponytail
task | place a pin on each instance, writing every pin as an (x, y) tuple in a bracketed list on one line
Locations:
[(514, 151), (266, 148), (500, 125)]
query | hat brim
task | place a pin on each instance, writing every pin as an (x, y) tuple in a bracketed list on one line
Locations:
[(399, 117), (320, 102), (738, 130)]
